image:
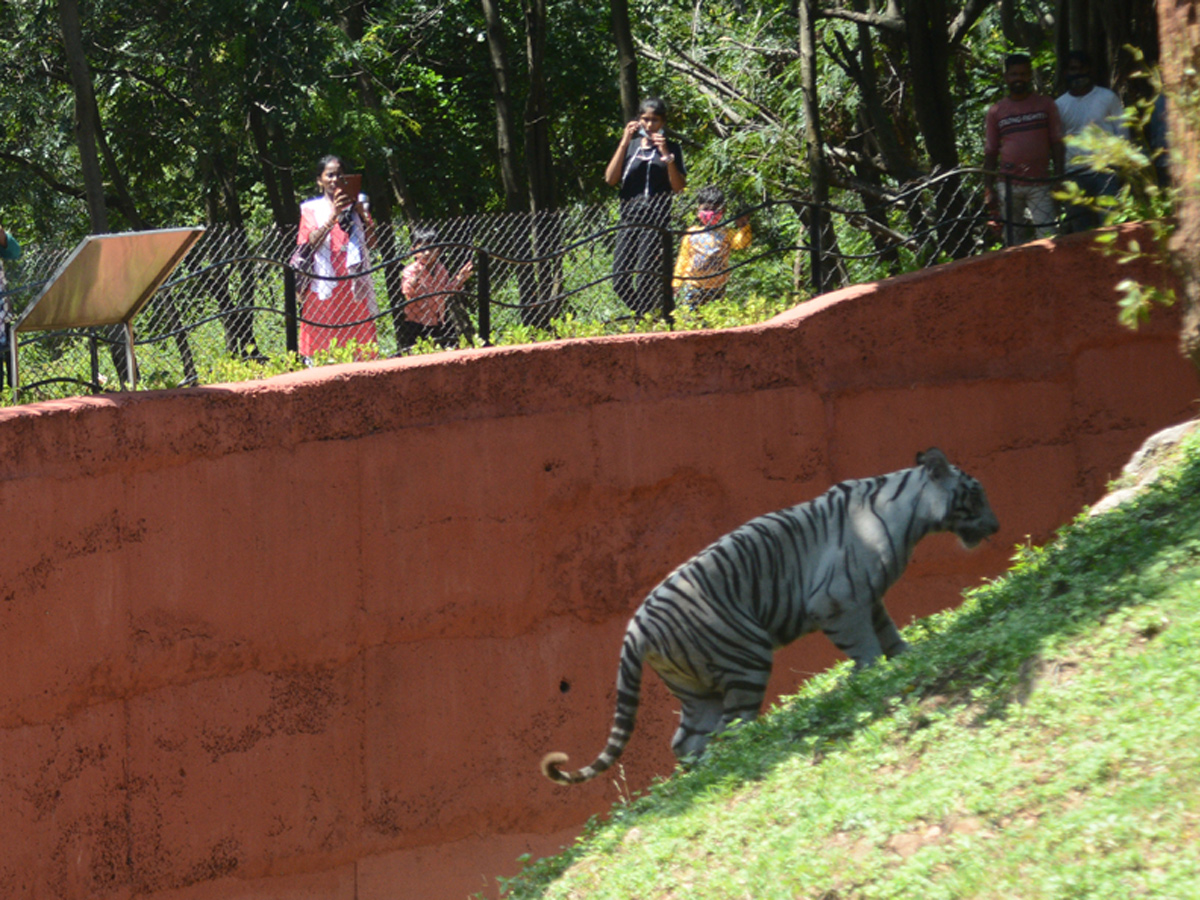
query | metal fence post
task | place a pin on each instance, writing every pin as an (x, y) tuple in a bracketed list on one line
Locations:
[(668, 275), (483, 273), (815, 226), (94, 358), (290, 315), (12, 361), (130, 359), (1009, 225)]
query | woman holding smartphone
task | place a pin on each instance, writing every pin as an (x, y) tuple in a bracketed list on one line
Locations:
[(338, 233), (649, 170)]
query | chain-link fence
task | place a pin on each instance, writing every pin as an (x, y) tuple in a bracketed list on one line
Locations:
[(534, 277)]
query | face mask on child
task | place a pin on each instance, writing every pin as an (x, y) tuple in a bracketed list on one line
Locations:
[(709, 216)]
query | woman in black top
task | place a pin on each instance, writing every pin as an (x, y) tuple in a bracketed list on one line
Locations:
[(648, 169)]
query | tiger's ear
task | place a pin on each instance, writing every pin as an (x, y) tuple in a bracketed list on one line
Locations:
[(935, 462)]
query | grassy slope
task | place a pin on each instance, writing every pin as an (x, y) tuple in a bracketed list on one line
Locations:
[(1041, 741)]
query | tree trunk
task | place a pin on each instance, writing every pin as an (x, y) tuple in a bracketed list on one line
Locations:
[(927, 30), (124, 199), (1103, 28), (860, 64), (929, 68), (387, 189), (545, 233), (86, 120), (820, 225), (627, 67), (539, 164), (281, 207), (237, 320), (1179, 31), (87, 127), (279, 156), (506, 130), (1077, 21), (272, 146), (353, 24), (516, 199)]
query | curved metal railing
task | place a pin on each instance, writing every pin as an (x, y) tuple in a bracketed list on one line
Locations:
[(535, 277)]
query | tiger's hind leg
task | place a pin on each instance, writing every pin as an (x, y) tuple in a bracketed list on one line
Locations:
[(743, 704), (704, 717), (701, 718)]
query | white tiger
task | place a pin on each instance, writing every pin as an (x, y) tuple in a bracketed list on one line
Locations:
[(711, 628)]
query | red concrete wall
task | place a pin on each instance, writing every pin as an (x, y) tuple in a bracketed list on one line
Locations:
[(308, 638)]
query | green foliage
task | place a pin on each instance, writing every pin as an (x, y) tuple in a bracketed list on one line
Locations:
[(230, 369), (210, 105), (730, 313), (724, 313), (1037, 742), (215, 366), (1141, 198), (1137, 299), (226, 369)]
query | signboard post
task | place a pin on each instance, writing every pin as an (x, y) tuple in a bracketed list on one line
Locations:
[(105, 281)]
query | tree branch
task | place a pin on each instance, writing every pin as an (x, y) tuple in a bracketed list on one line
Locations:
[(771, 53), (112, 201), (892, 23), (1016, 28), (44, 174), (966, 19), (703, 75), (186, 106)]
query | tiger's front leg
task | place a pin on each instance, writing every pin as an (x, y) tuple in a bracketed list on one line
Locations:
[(853, 633), (885, 630)]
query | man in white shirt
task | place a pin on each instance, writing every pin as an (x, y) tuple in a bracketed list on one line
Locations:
[(1086, 103)]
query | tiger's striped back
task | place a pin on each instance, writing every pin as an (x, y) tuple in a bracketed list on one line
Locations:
[(711, 627)]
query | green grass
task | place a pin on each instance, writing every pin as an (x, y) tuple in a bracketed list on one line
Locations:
[(1041, 741)]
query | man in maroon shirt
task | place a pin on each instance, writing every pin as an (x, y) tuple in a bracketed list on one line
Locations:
[(1023, 144)]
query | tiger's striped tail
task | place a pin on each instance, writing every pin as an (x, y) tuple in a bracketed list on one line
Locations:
[(629, 694)]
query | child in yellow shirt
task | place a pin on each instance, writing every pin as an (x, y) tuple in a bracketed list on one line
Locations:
[(702, 268)]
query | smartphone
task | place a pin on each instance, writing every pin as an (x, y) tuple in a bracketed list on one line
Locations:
[(352, 185)]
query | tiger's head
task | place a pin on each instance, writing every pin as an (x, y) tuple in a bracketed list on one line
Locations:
[(969, 515)]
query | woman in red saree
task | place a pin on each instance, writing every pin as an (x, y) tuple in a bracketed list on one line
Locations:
[(339, 233)]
